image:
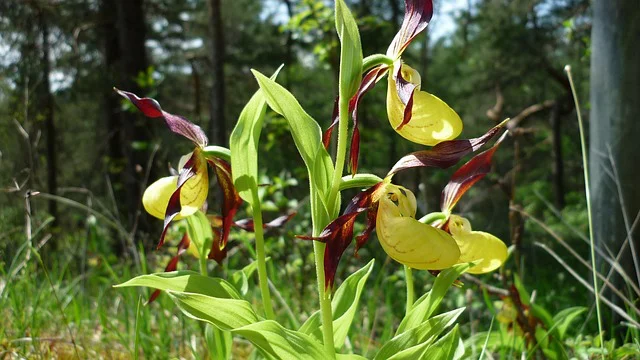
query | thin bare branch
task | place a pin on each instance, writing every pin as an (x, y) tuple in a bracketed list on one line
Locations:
[(584, 283)]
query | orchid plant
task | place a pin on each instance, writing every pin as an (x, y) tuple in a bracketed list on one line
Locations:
[(441, 242)]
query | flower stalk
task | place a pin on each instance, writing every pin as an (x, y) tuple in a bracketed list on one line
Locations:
[(318, 247), (374, 60), (263, 279), (408, 274), (325, 300)]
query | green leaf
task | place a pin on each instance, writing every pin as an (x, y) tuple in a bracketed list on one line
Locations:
[(185, 281), (350, 357), (240, 278), (448, 347), (275, 341), (425, 332), (225, 314), (344, 305), (564, 318), (427, 304), (244, 145), (524, 294), (200, 232), (219, 342), (350, 51), (308, 139), (305, 130)]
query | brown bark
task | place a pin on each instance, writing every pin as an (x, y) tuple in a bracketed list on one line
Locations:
[(217, 124), (48, 108), (133, 61)]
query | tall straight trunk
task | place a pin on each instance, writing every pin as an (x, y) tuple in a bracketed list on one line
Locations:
[(615, 109), (133, 61), (110, 104), (48, 109), (111, 113), (217, 124)]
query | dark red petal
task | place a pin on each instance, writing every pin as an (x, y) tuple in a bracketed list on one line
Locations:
[(247, 224), (363, 237), (173, 263), (279, 221), (178, 124), (218, 250), (417, 14), (231, 201), (368, 82), (468, 174), (335, 119), (405, 90), (339, 233), (354, 151), (173, 207), (444, 154)]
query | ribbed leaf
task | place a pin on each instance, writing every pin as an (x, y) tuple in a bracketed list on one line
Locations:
[(244, 144), (427, 304), (350, 51), (240, 278), (274, 341), (185, 281), (308, 139), (564, 318), (427, 332), (344, 305), (225, 314), (449, 347), (219, 342)]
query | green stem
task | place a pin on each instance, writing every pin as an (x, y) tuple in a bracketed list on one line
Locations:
[(318, 248), (203, 265), (217, 151), (325, 301), (408, 274), (374, 60), (432, 217), (359, 181), (261, 258), (341, 153), (585, 167)]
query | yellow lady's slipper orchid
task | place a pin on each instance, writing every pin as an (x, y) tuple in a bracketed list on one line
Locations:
[(391, 210), (477, 245), (176, 197), (409, 241), (192, 195), (431, 120), (474, 245)]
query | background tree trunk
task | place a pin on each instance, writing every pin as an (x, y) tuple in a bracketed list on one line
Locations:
[(615, 109), (217, 124), (131, 40), (46, 99)]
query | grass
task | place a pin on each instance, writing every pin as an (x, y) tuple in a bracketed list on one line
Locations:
[(66, 305)]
